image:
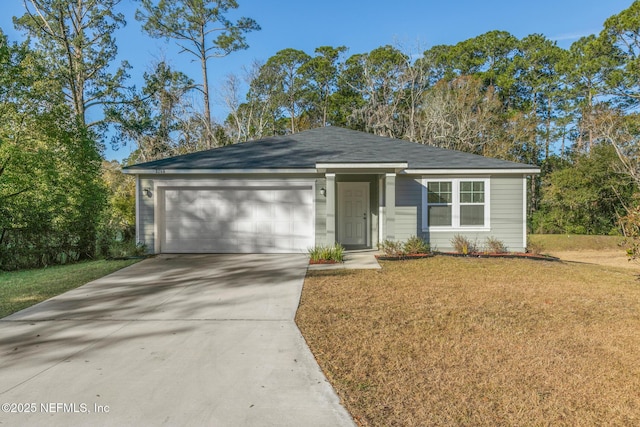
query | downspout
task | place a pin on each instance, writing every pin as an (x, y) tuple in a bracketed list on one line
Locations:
[(137, 196), (381, 228)]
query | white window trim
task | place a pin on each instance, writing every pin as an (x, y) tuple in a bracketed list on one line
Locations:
[(455, 205)]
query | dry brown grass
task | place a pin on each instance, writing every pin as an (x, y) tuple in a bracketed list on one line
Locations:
[(610, 258), (576, 242), (454, 341)]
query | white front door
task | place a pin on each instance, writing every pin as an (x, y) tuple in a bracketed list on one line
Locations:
[(353, 213)]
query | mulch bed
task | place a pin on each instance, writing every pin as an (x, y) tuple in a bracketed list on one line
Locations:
[(403, 257), (525, 255), (323, 261)]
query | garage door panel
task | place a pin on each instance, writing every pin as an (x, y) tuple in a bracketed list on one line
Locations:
[(283, 211), (243, 227), (222, 211), (298, 230), (212, 246), (300, 215), (238, 220), (195, 232), (183, 213), (302, 243), (263, 244), (283, 198), (282, 228)]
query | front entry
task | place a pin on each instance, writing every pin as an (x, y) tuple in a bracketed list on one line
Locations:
[(353, 214)]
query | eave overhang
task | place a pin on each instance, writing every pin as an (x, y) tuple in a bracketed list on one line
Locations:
[(397, 167), (512, 171), (361, 167), (144, 171)]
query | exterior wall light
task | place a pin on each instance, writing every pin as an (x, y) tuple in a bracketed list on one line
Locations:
[(147, 191), (323, 191)]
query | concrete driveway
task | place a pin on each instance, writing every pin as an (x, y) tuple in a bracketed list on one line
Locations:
[(174, 340)]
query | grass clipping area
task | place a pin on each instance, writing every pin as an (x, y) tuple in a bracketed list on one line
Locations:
[(456, 341)]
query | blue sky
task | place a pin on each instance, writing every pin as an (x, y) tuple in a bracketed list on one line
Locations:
[(360, 26)]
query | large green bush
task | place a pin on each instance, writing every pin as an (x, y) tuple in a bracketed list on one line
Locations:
[(51, 193), (584, 196)]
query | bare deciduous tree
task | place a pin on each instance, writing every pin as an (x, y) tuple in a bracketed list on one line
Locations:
[(202, 29), (461, 115), (376, 76)]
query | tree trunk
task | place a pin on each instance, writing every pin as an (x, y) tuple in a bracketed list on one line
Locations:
[(205, 86), (548, 136)]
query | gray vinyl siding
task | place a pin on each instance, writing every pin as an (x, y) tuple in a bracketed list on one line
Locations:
[(506, 209), (145, 211), (408, 207), (321, 213), (506, 214), (507, 220)]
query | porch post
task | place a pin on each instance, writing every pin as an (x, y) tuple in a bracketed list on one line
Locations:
[(390, 206), (331, 208)]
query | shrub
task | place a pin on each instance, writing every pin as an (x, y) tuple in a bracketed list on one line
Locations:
[(463, 245), (338, 252), (333, 253), (534, 247), (126, 249), (631, 227), (494, 246), (416, 245), (392, 248)]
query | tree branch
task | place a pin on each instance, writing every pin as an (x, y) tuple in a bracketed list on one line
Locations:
[(17, 193)]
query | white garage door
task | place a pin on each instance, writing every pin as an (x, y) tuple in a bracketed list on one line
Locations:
[(238, 220)]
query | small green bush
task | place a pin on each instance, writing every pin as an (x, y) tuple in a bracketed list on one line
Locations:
[(416, 245), (125, 249), (494, 246), (333, 253), (337, 252), (463, 245), (392, 248)]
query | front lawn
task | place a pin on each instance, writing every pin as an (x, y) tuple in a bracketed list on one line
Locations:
[(482, 342), (21, 289), (575, 242)]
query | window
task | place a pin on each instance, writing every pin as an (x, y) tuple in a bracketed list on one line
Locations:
[(471, 203), (456, 203), (440, 200)]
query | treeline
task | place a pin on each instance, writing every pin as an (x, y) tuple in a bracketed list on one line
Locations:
[(64, 96), (572, 111), (493, 94)]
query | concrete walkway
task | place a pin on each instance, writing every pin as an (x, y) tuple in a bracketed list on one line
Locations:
[(353, 260), (174, 340)]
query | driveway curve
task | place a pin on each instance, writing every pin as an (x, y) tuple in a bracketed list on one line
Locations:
[(173, 340)]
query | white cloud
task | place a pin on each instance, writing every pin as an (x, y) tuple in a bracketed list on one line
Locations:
[(571, 36)]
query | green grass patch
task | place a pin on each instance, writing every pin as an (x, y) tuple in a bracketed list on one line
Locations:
[(573, 242), (21, 289)]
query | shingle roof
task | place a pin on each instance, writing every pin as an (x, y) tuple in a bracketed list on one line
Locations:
[(328, 145)]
